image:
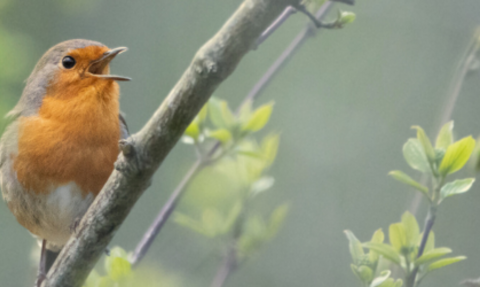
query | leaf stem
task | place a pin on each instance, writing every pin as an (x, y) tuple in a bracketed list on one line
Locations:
[(429, 221), (275, 25), (229, 265), (231, 261)]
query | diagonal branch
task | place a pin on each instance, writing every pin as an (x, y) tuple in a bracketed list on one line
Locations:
[(212, 64)]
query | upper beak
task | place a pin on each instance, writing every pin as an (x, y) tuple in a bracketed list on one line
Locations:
[(98, 68)]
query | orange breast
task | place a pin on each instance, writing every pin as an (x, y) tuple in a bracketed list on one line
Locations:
[(74, 137)]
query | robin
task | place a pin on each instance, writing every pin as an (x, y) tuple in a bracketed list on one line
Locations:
[(61, 144)]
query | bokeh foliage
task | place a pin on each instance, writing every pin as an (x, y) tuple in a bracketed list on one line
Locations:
[(243, 162)]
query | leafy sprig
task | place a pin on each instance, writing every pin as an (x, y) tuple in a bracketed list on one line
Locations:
[(439, 161), (415, 252)]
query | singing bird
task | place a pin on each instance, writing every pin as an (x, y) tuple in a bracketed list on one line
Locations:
[(62, 141)]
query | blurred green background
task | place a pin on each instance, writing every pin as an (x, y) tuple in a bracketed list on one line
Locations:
[(344, 107)]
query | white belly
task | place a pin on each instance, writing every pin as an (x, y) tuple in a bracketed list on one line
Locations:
[(47, 216), (65, 205)]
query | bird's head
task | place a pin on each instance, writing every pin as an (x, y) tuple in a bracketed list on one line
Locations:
[(70, 69)]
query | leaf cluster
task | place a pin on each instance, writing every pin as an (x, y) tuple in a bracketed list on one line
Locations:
[(224, 125), (118, 273), (439, 161), (405, 239), (243, 161), (366, 266)]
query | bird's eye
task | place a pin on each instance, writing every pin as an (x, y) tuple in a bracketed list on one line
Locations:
[(68, 62)]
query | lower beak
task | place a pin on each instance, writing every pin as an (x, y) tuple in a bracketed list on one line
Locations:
[(99, 67)]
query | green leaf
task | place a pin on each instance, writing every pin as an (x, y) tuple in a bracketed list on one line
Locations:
[(261, 185), (379, 280), (222, 135), (245, 111), (426, 144), (456, 156), (346, 17), (202, 115), (439, 154), (212, 222), (227, 115), (432, 254), (276, 220), (412, 231), (364, 273), (390, 282), (193, 130), (430, 245), (444, 262), (270, 145), (259, 118), (250, 153), (118, 252), (476, 155), (402, 177), (397, 236), (355, 246), (189, 222), (377, 237), (232, 217), (255, 233), (256, 226), (384, 249), (415, 156), (456, 187), (117, 264), (215, 113), (119, 268), (445, 136)]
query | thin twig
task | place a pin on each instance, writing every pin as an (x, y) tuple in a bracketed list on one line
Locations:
[(144, 245), (228, 266), (231, 260), (275, 25), (429, 221)]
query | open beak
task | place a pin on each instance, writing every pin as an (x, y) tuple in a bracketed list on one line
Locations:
[(99, 68)]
